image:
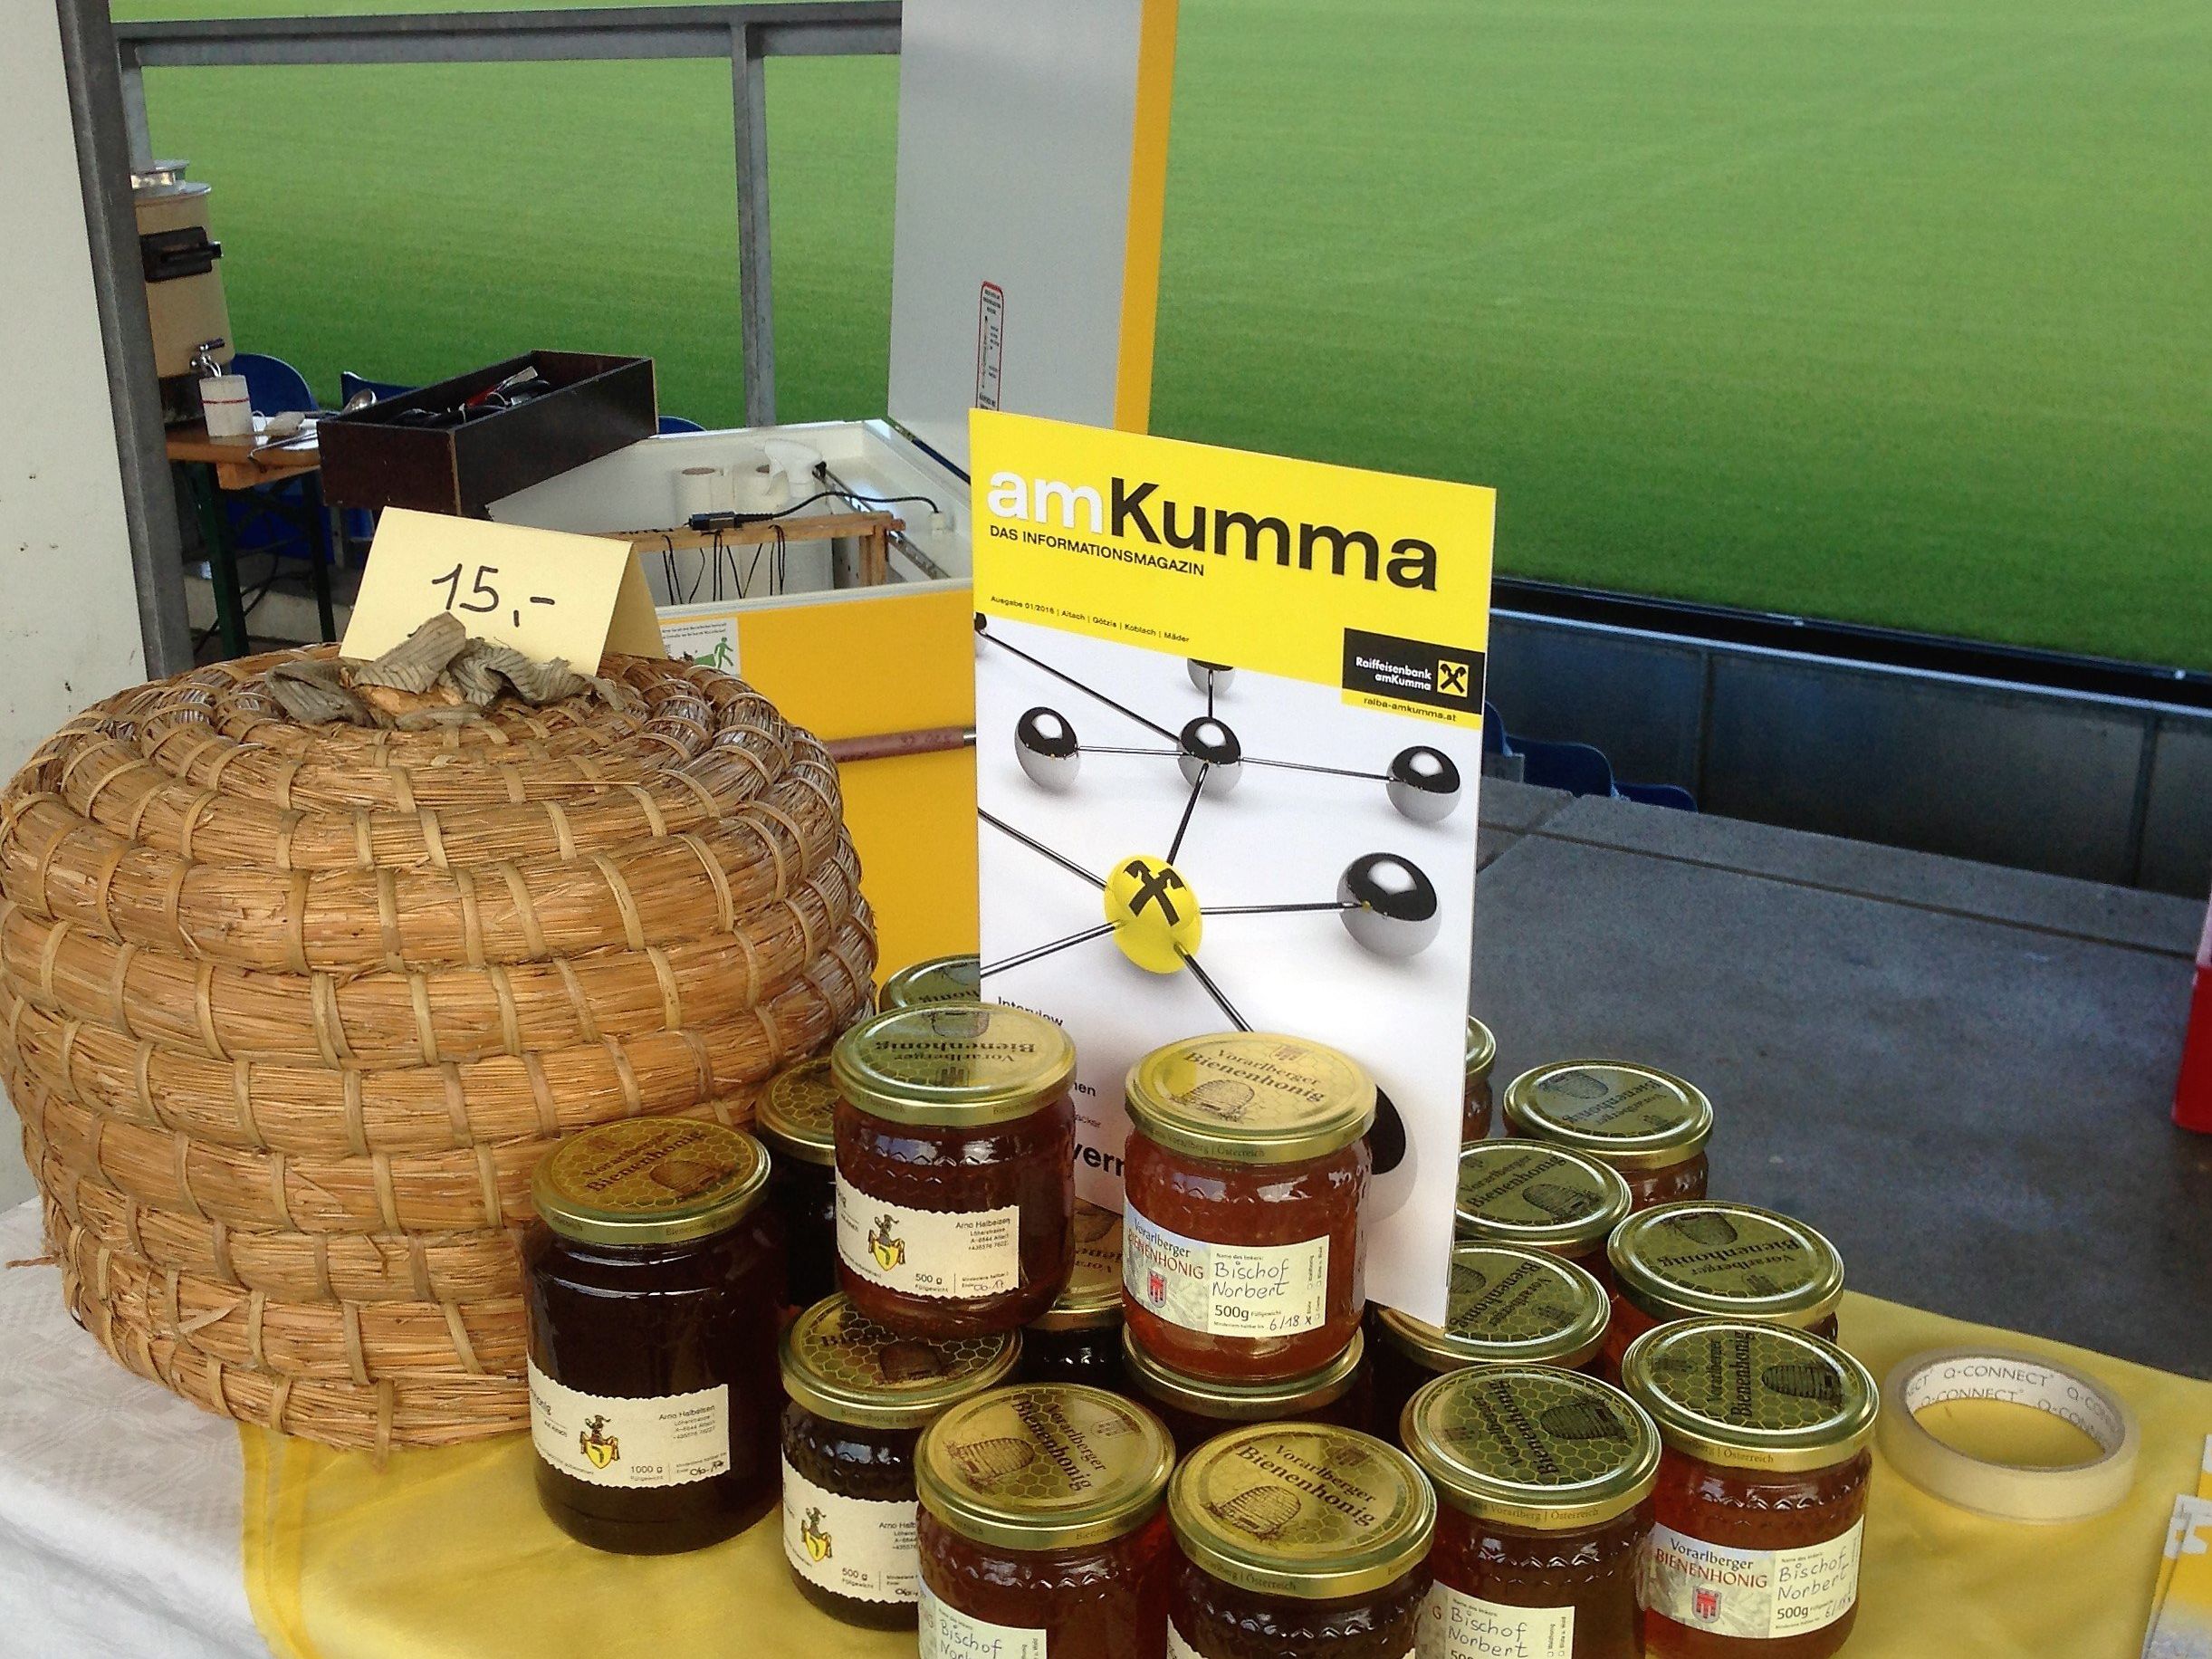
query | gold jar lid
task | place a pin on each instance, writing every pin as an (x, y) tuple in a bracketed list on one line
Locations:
[(648, 1180), (1250, 1097), (960, 1064), (1537, 1196), (1092, 1299), (1302, 1510), (940, 979), (1633, 1116), (1752, 1396), (1532, 1446), (797, 1112), (840, 1364), (1243, 1402), (1482, 1048), (1043, 1466), (1505, 1307), (1731, 1261)]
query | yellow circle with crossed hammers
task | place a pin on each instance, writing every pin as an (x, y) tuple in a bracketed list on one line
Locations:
[(1155, 913)]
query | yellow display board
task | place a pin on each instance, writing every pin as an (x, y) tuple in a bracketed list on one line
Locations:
[(868, 666), (446, 1553)]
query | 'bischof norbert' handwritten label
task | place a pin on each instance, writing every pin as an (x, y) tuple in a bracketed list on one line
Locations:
[(1225, 1289)]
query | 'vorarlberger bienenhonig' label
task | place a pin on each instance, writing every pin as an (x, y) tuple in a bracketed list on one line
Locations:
[(1225, 1289), (952, 1253), (863, 1547), (668, 1440), (1756, 1593)]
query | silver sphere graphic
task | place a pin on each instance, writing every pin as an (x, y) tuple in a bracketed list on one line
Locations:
[(1209, 677), (1045, 744), (1423, 784), (1392, 908), (1207, 742)]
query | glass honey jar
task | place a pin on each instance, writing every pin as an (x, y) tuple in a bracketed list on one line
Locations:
[(940, 979), (1544, 1478), (955, 1180), (1243, 1174), (653, 1285), (1195, 1409), (1300, 1539), (860, 1397), (1077, 1340), (1761, 1497), (1477, 1105), (796, 1117), (1648, 1125), (1043, 1534), (1505, 1307), (1722, 1260), (1535, 1196)]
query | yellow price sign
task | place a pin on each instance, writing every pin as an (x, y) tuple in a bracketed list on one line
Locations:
[(545, 592)]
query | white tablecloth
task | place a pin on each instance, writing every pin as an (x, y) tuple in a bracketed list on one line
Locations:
[(119, 1504)]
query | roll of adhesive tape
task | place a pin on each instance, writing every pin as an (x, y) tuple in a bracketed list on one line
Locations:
[(695, 491), (2010, 1491)]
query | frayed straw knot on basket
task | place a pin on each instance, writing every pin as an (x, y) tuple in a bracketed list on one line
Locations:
[(289, 1012)]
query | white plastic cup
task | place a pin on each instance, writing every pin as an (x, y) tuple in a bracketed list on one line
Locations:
[(225, 406)]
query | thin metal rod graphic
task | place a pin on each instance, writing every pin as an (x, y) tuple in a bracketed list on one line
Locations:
[(1070, 679), (1047, 950), (1039, 847), (1198, 788), (1213, 991)]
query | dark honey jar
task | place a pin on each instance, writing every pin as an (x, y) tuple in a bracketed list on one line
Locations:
[(1299, 1538), (797, 1116), (654, 1284), (1077, 1340), (1196, 1408), (1477, 1105), (860, 1398), (1544, 1478)]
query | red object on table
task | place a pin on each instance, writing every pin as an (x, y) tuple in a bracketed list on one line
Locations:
[(2193, 1093)]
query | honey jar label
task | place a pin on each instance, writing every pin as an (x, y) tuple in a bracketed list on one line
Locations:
[(947, 1633), (949, 1253), (664, 1440), (1225, 1289), (1457, 1626), (860, 1547), (1762, 1594)]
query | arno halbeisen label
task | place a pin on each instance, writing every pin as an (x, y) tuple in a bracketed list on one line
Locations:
[(862, 1548), (667, 1441), (1757, 1593), (1457, 1626), (929, 1253), (1225, 1289), (947, 1633)]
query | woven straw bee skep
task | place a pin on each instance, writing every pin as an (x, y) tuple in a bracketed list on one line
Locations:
[(289, 1012)]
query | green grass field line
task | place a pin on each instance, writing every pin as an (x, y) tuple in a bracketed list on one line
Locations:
[(1893, 314)]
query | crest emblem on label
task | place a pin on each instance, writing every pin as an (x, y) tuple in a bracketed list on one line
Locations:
[(885, 1245), (812, 1535), (597, 1445)]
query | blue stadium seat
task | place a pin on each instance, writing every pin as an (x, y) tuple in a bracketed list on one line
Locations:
[(272, 384), (1659, 795), (350, 383), (677, 423), (271, 518), (1575, 768)]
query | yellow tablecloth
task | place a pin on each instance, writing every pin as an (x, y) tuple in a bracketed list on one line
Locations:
[(445, 1553)]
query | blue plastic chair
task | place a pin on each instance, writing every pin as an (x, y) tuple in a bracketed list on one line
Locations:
[(269, 519), (1668, 795), (274, 385), (1576, 768), (1496, 740), (350, 383), (677, 423)]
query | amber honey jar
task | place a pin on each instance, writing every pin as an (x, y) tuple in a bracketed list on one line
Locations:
[(796, 1117), (1477, 1105), (1648, 1125), (1077, 1340), (1505, 1307), (940, 979), (860, 1397), (1708, 1258), (653, 1281), (1545, 1479), (1299, 1538), (956, 1182), (1243, 1175), (1043, 1534), (1195, 1409), (1535, 1196), (1761, 1497)]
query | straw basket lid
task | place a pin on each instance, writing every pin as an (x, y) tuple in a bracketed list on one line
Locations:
[(290, 1012)]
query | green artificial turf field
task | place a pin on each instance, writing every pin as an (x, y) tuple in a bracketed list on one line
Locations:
[(1900, 314)]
